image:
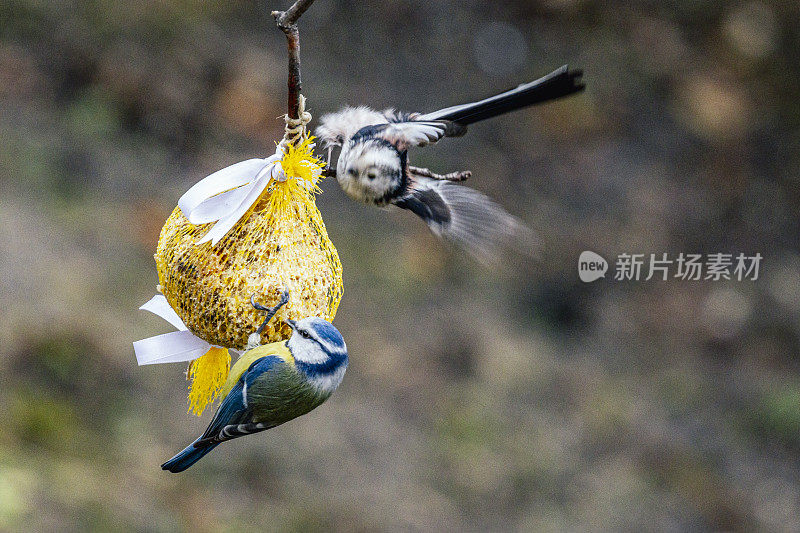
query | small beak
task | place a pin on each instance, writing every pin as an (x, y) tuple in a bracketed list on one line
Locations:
[(291, 323)]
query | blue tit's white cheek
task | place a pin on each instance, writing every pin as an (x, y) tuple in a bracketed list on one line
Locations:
[(320, 353), (306, 350), (298, 347), (329, 382)]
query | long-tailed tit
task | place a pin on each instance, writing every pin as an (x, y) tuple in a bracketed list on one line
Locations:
[(373, 163)]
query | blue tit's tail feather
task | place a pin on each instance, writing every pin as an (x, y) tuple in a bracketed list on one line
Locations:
[(231, 432), (189, 456), (559, 83)]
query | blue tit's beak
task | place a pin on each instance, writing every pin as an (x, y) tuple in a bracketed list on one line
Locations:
[(291, 323)]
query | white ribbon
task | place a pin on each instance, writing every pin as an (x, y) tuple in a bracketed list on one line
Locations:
[(175, 347), (226, 195)]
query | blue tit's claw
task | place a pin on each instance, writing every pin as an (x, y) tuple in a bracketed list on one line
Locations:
[(256, 304), (270, 310), (284, 298)]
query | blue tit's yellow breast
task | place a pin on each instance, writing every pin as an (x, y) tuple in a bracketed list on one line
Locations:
[(277, 349)]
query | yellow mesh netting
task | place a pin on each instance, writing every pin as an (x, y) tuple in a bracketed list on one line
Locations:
[(208, 374), (281, 244)]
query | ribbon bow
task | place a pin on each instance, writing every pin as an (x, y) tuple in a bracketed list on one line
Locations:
[(226, 195), (173, 347)]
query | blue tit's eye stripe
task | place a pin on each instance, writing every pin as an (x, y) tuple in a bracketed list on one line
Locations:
[(328, 337), (325, 333), (331, 349)]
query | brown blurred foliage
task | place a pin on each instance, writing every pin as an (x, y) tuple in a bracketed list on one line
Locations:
[(516, 399)]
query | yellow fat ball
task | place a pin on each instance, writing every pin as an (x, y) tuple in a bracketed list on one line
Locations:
[(280, 244)]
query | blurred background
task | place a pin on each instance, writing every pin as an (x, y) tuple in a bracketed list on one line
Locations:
[(512, 399)]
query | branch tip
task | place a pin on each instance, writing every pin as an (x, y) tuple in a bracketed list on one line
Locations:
[(287, 22), (287, 19)]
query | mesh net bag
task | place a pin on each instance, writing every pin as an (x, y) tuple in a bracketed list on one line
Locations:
[(281, 244)]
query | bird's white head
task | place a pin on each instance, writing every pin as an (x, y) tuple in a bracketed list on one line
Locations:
[(370, 170), (319, 351)]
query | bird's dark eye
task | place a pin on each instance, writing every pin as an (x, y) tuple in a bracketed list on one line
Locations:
[(352, 171), (372, 175), (304, 334)]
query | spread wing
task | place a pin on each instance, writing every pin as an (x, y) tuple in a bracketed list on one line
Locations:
[(467, 217), (401, 129), (404, 135)]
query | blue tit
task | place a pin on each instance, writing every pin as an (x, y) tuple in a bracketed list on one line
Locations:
[(272, 384), (373, 164)]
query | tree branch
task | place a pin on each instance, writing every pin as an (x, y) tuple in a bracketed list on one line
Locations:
[(287, 22)]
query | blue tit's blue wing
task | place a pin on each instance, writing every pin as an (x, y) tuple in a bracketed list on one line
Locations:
[(233, 417)]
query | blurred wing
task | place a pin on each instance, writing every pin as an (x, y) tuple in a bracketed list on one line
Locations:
[(468, 218), (233, 417)]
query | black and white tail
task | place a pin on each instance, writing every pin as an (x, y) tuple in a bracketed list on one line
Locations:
[(468, 218), (559, 83)]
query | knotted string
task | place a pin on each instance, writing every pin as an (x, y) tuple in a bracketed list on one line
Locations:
[(295, 128)]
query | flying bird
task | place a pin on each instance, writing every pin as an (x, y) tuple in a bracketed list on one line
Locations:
[(373, 164)]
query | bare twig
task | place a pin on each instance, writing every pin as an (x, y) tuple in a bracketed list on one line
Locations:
[(461, 175), (287, 22), (290, 16)]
